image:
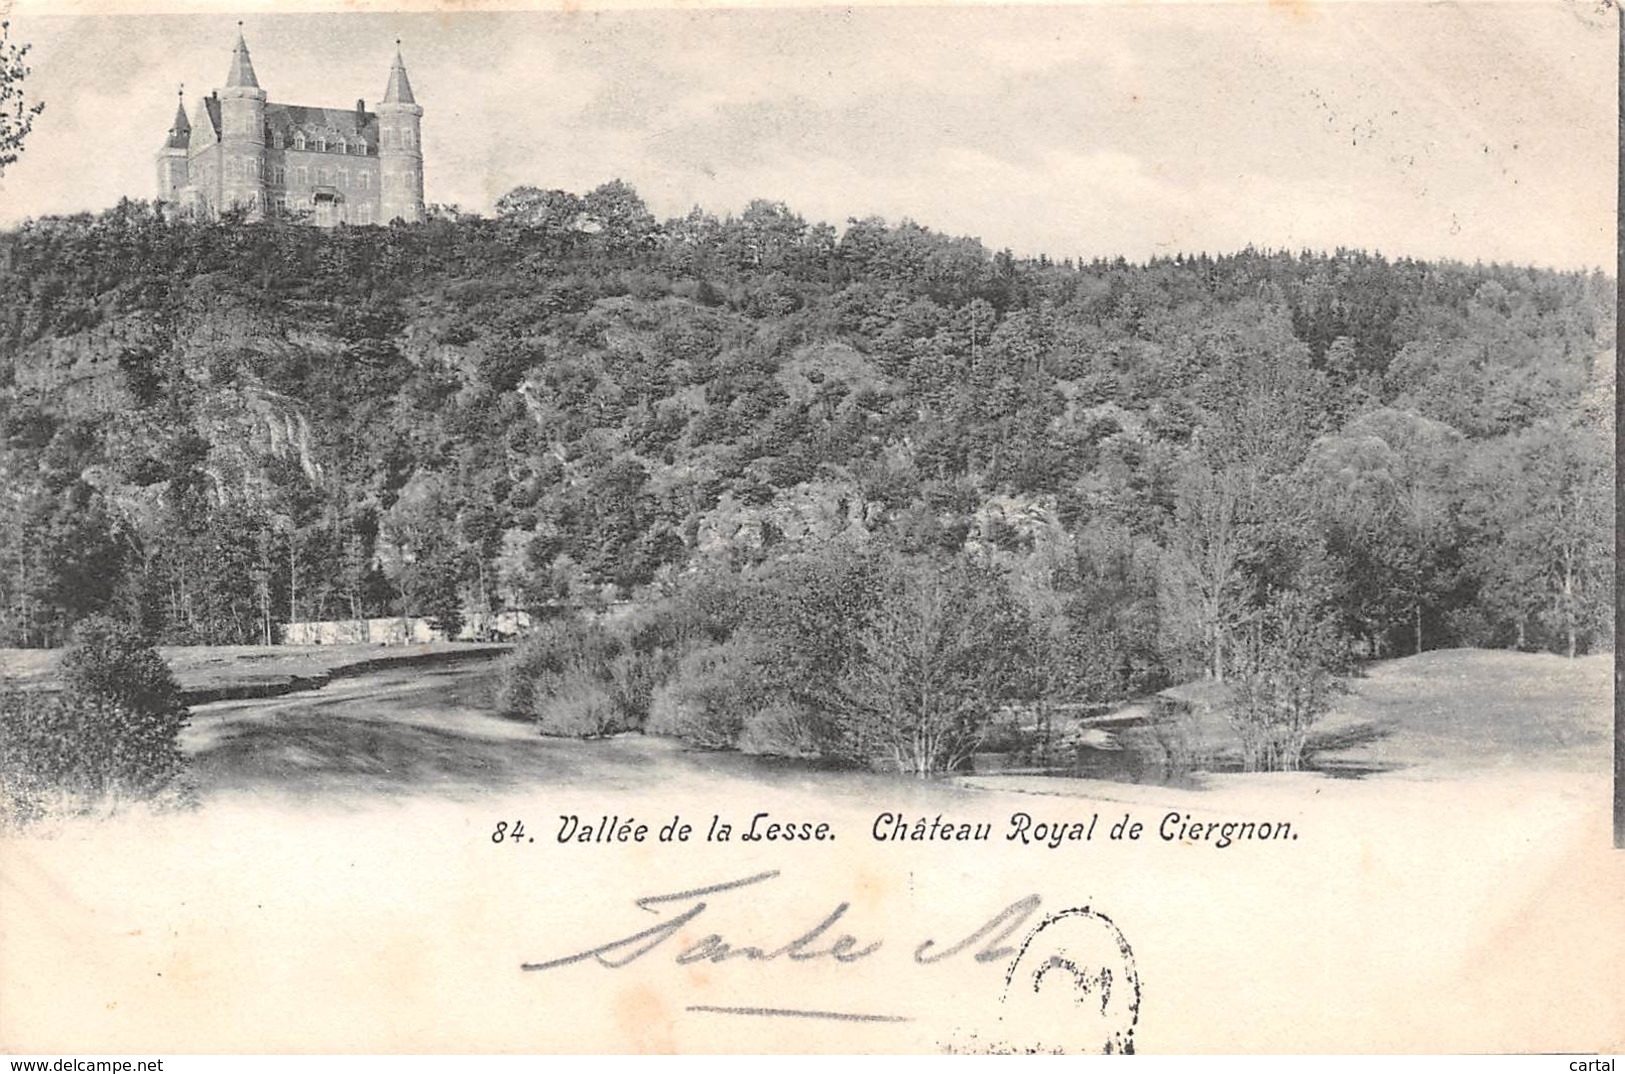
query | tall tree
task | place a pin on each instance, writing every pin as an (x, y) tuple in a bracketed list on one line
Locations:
[(1285, 678), (17, 113), (1543, 504), (1205, 589), (1385, 489)]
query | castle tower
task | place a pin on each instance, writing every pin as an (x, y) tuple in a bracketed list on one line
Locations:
[(173, 173), (400, 151), (242, 135)]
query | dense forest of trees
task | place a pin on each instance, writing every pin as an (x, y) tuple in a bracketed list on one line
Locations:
[(1171, 469)]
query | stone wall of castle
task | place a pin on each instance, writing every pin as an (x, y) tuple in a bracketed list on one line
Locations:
[(294, 176)]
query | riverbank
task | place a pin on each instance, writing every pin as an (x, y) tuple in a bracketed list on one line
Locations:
[(209, 673)]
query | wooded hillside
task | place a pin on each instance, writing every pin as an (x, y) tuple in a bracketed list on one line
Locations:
[(213, 428)]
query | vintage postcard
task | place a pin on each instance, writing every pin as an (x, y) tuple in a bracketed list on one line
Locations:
[(929, 529)]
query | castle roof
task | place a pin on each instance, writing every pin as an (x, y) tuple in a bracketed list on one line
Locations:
[(399, 90), (207, 117), (351, 124), (242, 68), (180, 131)]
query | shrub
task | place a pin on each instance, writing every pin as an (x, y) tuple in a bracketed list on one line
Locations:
[(1177, 735), (719, 697), (1470, 627), (63, 753), (576, 677), (111, 660), (711, 697), (704, 606), (632, 679), (1286, 678), (783, 728), (112, 733), (578, 706)]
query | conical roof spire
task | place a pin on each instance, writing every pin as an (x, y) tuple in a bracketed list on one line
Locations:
[(242, 68), (180, 130), (399, 90)]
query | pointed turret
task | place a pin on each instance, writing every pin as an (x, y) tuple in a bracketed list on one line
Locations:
[(180, 130), (174, 170), (242, 68), (400, 151), (241, 172), (399, 90)]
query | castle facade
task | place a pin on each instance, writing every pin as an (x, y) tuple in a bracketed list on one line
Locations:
[(340, 165)]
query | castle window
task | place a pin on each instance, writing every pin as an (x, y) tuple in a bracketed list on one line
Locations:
[(302, 173), (344, 178), (340, 146), (361, 149), (366, 182), (299, 139), (276, 139), (321, 143)]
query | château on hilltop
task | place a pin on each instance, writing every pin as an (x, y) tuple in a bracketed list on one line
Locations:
[(341, 165)]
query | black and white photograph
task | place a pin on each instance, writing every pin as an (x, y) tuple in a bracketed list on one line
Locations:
[(936, 529)]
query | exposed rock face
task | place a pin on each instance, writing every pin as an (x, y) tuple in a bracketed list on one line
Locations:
[(816, 511)]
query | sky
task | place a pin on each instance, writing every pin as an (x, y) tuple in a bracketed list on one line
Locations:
[(1481, 131)]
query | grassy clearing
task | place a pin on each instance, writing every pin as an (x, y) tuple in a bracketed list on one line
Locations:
[(1475, 708), (1454, 708)]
